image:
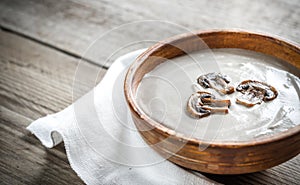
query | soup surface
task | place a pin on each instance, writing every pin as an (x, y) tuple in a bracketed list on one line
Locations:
[(163, 94)]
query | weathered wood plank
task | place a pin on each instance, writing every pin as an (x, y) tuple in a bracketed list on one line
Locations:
[(34, 81), (73, 25), (24, 160)]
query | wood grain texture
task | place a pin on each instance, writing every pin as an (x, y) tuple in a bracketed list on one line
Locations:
[(74, 25), (43, 77), (34, 81), (36, 77), (24, 160)]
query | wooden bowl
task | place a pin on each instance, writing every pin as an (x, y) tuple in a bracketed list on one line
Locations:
[(218, 157)]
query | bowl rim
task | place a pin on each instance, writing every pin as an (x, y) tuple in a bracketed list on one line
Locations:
[(134, 108)]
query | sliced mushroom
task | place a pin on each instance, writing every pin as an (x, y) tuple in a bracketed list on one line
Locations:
[(217, 81), (202, 104), (255, 92)]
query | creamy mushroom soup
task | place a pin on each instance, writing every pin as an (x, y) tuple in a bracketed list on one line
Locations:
[(164, 92)]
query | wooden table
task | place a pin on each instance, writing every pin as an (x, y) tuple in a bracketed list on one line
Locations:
[(41, 43)]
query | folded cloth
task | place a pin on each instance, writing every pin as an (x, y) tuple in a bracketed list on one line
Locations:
[(102, 144)]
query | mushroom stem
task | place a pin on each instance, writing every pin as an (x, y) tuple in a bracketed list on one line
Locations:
[(216, 109), (216, 102), (202, 104)]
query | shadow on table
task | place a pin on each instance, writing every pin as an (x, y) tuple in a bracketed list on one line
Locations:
[(48, 166), (234, 179)]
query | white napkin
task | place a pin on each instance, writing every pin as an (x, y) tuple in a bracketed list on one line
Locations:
[(101, 142)]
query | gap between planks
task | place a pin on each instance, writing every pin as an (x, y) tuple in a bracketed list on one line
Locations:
[(6, 29)]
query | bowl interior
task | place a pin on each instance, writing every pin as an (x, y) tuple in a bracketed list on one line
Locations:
[(288, 54)]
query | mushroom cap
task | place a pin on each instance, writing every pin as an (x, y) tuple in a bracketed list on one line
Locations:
[(217, 81), (254, 92)]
